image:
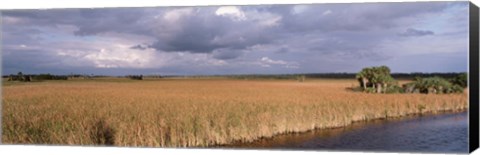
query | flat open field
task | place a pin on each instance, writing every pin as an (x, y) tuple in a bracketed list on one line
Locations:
[(193, 112)]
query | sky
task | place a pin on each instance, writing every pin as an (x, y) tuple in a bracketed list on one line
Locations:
[(257, 39)]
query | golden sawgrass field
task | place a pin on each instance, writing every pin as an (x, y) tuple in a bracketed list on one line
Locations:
[(193, 112)]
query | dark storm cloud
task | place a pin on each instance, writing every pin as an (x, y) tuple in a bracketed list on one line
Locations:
[(203, 32), (175, 38), (414, 32), (198, 32)]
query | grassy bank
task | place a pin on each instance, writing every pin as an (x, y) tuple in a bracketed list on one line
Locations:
[(194, 112)]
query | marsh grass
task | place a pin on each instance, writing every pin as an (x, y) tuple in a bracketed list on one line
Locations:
[(194, 112)]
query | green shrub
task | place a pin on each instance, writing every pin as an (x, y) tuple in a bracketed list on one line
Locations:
[(394, 89), (434, 85), (460, 80), (457, 89)]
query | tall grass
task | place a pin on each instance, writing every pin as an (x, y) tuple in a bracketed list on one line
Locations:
[(186, 112)]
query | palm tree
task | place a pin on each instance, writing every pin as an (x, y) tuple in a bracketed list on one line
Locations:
[(362, 78), (384, 70), (386, 81)]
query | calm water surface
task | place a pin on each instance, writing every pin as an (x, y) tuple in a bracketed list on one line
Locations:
[(441, 133)]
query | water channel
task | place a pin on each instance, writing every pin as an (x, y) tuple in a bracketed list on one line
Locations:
[(435, 133)]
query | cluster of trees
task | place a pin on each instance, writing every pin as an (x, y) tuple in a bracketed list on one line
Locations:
[(50, 77), (154, 76), (437, 85), (376, 79), (20, 77), (27, 78), (264, 76), (81, 76), (379, 80), (135, 77)]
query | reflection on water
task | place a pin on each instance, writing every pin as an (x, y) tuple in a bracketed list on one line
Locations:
[(446, 133)]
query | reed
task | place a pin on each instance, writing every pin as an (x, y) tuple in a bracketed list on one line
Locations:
[(194, 112)]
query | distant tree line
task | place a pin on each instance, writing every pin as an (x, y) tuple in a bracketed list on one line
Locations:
[(379, 80), (19, 77), (141, 77), (30, 77), (260, 76), (153, 76), (39, 77), (49, 77), (135, 77), (403, 76)]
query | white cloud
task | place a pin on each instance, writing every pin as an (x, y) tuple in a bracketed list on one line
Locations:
[(110, 50), (108, 58), (270, 61), (232, 12), (267, 62)]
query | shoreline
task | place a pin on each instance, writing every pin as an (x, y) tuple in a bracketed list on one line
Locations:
[(239, 144)]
